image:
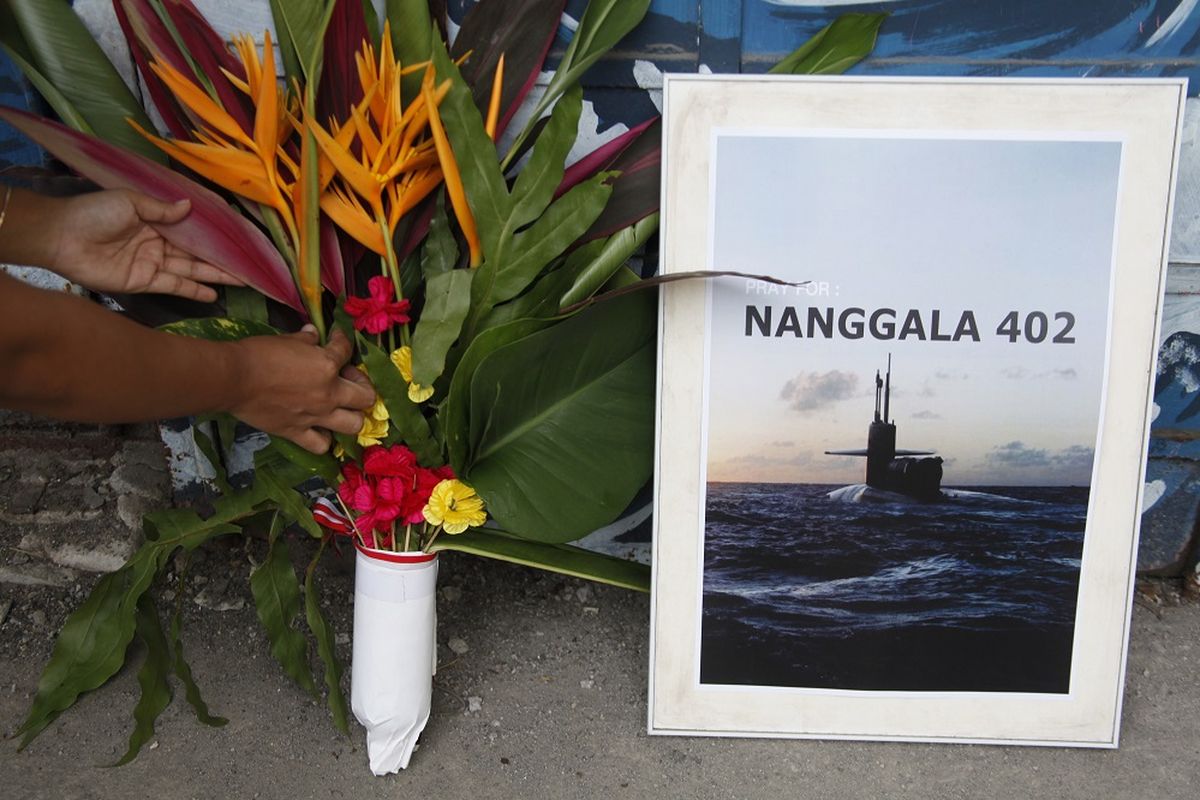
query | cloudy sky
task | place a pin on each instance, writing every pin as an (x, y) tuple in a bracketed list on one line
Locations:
[(989, 226)]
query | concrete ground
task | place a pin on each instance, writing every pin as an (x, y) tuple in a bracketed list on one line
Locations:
[(540, 692)]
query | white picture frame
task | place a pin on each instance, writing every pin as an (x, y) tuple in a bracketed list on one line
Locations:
[(778, 611)]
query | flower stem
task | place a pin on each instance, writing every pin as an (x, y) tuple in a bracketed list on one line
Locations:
[(407, 534), (429, 543)]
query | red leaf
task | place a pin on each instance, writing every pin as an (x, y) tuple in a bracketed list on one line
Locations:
[(340, 89), (333, 273), (211, 54), (523, 31), (168, 109), (601, 158), (212, 231)]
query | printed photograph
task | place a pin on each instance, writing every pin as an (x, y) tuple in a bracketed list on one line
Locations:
[(899, 451)]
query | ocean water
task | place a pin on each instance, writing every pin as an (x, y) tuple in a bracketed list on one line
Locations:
[(852, 588)]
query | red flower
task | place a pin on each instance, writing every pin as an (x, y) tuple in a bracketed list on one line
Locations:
[(354, 490), (396, 461), (377, 313), (423, 483)]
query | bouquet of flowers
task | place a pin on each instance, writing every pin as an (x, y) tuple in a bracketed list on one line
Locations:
[(374, 187)]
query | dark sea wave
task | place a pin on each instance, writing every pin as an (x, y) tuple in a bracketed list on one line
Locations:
[(853, 588)]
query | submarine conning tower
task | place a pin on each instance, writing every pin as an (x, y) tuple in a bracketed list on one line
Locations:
[(881, 436), (919, 477)]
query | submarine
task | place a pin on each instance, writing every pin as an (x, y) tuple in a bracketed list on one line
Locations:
[(912, 473)]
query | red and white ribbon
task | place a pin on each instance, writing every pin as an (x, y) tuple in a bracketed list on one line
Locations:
[(328, 516)]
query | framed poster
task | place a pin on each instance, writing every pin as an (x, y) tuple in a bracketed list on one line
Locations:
[(897, 496)]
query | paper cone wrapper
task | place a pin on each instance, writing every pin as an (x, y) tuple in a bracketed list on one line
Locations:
[(395, 654)]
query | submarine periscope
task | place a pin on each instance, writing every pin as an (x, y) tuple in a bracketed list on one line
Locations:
[(913, 473)]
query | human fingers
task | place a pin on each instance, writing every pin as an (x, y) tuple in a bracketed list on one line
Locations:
[(178, 262), (353, 394), (312, 440), (308, 334), (343, 420), (151, 209), (339, 348), (166, 283), (356, 375)]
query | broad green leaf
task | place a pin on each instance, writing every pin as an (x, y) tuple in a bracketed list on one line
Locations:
[(447, 300), (617, 249), (92, 644), (413, 36), (835, 48), (542, 174), (242, 302), (323, 632), (304, 23), (324, 464), (66, 56), (277, 601), (562, 421), (291, 503), (541, 300), (603, 24), (560, 558), (455, 413), (287, 51), (487, 192), (549, 237), (406, 416), (440, 251), (53, 97), (184, 673), (152, 678), (218, 329)]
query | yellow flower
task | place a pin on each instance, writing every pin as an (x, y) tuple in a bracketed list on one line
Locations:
[(454, 506), (375, 424), (402, 358)]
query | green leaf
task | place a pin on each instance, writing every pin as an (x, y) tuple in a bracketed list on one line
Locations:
[(406, 417), (277, 600), (152, 678), (371, 18), (304, 23), (413, 35), (205, 443), (487, 192), (603, 24), (455, 413), (287, 51), (550, 236), (184, 673), (56, 99), (562, 421), (835, 48), (616, 250), (560, 558), (66, 56), (244, 303), (292, 504), (324, 465), (543, 173), (323, 632), (440, 252), (447, 300), (218, 329), (92, 644)]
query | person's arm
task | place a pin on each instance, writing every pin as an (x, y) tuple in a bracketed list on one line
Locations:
[(105, 241), (66, 357)]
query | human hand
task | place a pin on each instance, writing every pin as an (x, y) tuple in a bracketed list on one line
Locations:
[(294, 388), (106, 241)]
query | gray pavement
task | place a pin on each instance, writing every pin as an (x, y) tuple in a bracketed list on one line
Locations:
[(540, 693)]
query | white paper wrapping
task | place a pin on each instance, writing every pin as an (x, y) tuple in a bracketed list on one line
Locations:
[(395, 629)]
